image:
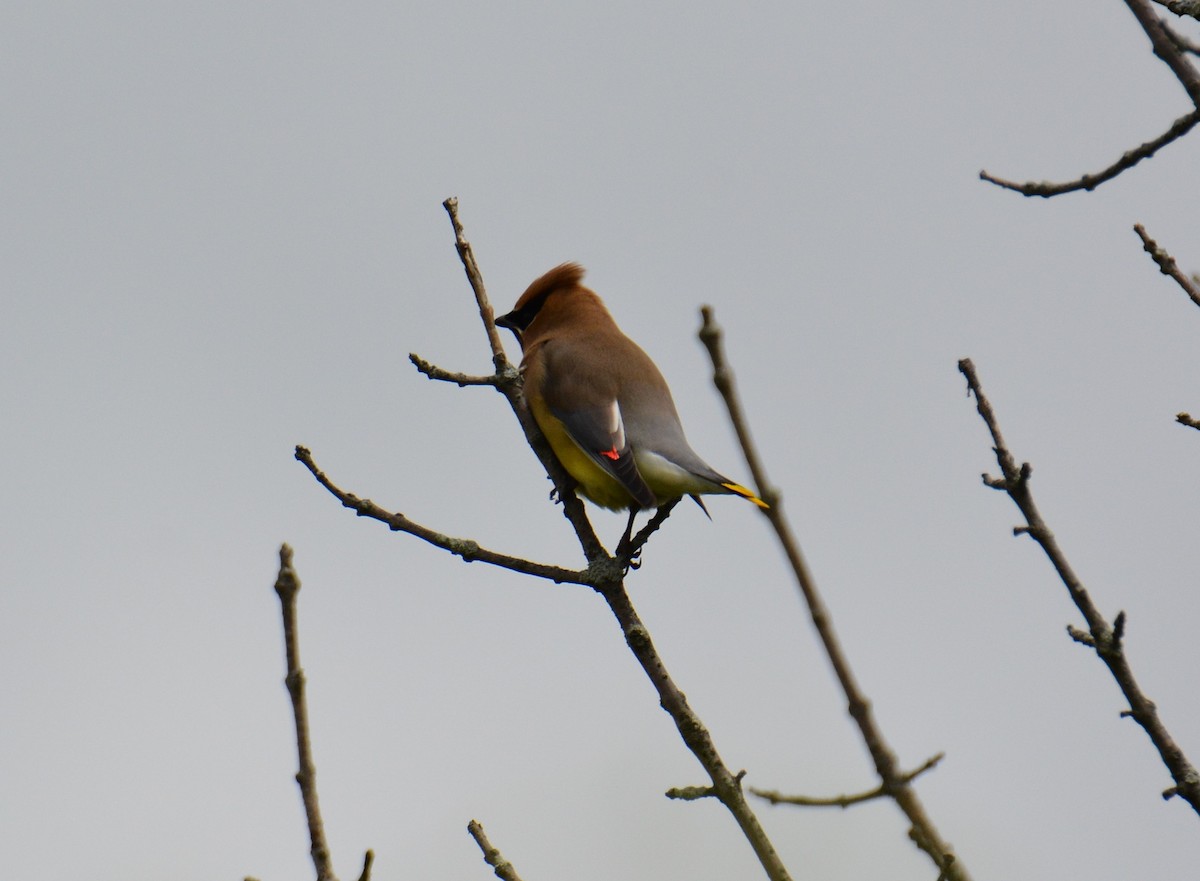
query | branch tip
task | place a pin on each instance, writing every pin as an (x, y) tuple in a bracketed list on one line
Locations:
[(1089, 182)]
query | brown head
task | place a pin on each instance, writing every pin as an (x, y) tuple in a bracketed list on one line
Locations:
[(553, 301)]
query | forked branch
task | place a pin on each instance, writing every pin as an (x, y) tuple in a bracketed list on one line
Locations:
[(893, 780), (1104, 638), (1171, 48), (844, 801)]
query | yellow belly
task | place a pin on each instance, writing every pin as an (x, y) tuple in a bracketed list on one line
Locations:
[(594, 482)]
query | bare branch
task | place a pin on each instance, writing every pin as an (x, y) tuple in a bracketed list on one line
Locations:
[(710, 336), (1166, 264), (886, 764), (843, 801), (1186, 419), (503, 868), (466, 548), (1166, 47), (475, 277), (287, 585), (1129, 158), (726, 786), (1103, 638), (368, 860), (1170, 48), (460, 379)]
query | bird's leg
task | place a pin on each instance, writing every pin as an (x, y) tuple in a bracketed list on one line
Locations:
[(627, 539)]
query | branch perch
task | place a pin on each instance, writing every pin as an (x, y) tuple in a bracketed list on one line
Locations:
[(469, 550), (604, 573)]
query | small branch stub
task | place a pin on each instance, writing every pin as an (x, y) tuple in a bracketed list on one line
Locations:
[(1166, 264), (491, 855)]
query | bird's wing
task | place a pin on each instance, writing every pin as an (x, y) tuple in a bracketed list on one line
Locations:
[(587, 407)]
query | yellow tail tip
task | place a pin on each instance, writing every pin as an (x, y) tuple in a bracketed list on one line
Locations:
[(740, 490)]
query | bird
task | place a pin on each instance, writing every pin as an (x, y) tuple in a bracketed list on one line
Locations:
[(603, 404)]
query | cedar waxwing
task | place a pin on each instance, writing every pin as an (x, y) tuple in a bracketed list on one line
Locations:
[(601, 403)]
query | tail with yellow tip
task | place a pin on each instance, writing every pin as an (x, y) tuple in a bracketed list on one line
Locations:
[(739, 490)]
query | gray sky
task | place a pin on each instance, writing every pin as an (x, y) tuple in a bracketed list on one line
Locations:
[(223, 234)]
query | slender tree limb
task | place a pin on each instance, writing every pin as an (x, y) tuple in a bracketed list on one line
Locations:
[(1166, 264), (1170, 47), (1103, 638), (475, 277), (460, 379), (287, 585), (726, 786), (886, 764), (1186, 419), (503, 868), (466, 548), (1129, 158), (1166, 47), (844, 801), (368, 861)]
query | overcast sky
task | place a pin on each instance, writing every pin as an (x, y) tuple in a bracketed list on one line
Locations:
[(222, 236)]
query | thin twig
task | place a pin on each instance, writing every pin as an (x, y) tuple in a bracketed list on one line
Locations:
[(287, 585), (503, 868), (466, 548), (1166, 264), (1130, 158), (459, 379), (1186, 419), (1103, 638), (886, 764), (467, 255), (844, 801)]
